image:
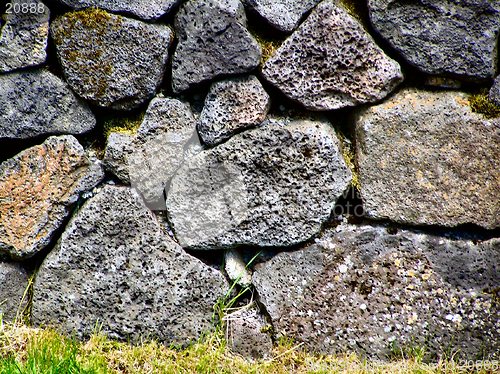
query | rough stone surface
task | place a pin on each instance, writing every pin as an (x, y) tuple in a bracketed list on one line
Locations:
[(270, 186), (424, 158), (213, 41), (23, 37), (363, 289), (13, 283), (284, 15), (445, 37), (37, 190), (110, 60), (115, 266), (246, 333), (39, 103), (236, 268), (331, 62), (145, 9), (148, 159), (495, 91), (232, 106)]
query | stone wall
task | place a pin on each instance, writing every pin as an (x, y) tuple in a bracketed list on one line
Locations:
[(335, 161)]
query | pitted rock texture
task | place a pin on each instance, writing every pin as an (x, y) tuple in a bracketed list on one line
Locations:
[(148, 159), (284, 15), (360, 288), (110, 60), (425, 159), (246, 333), (213, 41), (270, 186), (38, 188), (444, 37), (331, 62), (34, 103), (13, 283), (232, 106), (145, 9), (115, 266), (494, 95), (23, 37)]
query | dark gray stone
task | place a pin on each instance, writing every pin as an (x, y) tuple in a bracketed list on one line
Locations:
[(494, 95), (38, 188), (35, 103), (457, 37), (246, 333), (147, 160), (232, 106), (13, 284), (359, 288), (426, 159), (114, 266), (23, 37), (145, 9), (110, 60), (270, 186), (284, 15), (331, 62), (213, 41)]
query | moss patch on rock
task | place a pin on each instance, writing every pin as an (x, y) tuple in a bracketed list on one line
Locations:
[(480, 103)]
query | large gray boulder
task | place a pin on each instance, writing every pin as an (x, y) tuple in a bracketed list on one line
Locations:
[(445, 37), (110, 60), (114, 266), (148, 159), (38, 188), (359, 288), (284, 15), (13, 284), (145, 9), (34, 103), (23, 37), (270, 186), (331, 62), (231, 106), (213, 41), (494, 94), (426, 159)]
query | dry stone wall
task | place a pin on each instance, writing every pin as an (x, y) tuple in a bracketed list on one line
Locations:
[(159, 155)]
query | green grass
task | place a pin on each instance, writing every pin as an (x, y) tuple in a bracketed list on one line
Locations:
[(29, 350)]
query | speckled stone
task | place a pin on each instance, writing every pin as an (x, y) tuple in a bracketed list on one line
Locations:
[(115, 267), (363, 289), (426, 159), (110, 60)]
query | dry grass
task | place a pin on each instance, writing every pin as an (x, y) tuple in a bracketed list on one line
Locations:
[(30, 350)]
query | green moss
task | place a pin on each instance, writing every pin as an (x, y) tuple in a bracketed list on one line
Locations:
[(349, 158), (268, 43), (355, 8), (123, 124), (480, 103)]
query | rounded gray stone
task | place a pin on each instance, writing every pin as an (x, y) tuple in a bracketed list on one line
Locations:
[(148, 159), (494, 94), (13, 284), (232, 106), (213, 41), (359, 288), (284, 15), (426, 159), (23, 37), (331, 62), (145, 9), (445, 37), (115, 267), (110, 60), (270, 186), (34, 103)]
